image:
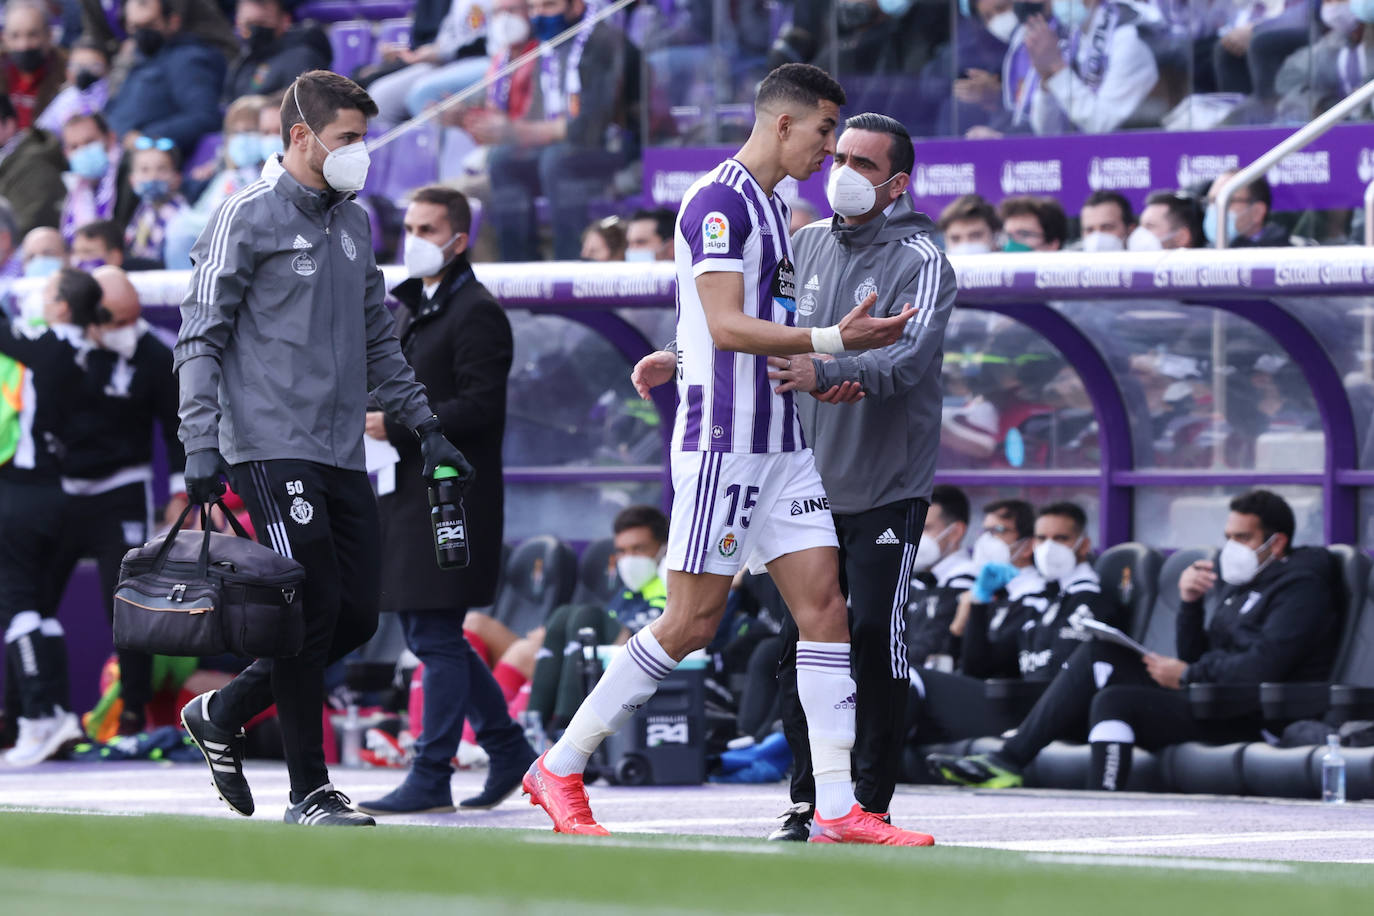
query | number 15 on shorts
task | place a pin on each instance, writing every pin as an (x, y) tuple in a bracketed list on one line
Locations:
[(739, 507)]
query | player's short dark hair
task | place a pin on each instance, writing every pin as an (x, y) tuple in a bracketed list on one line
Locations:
[(322, 94), (1182, 211), (798, 84), (969, 207), (1054, 223), (665, 221), (901, 152), (1067, 510), (82, 294), (105, 231), (649, 517), (1098, 198), (1272, 510), (952, 503), (1258, 189), (1017, 511), (456, 207)]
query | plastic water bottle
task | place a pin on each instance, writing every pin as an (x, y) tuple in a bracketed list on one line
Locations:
[(591, 664), (533, 723), (448, 518), (1333, 772), (352, 743)]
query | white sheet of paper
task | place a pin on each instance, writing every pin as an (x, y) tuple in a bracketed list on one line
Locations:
[(1111, 634), (381, 457)]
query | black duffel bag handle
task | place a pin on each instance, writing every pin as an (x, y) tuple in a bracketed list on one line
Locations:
[(203, 564)]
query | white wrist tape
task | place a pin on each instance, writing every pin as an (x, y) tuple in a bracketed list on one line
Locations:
[(827, 340)]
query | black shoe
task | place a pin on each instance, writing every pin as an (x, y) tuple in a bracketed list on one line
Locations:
[(223, 752), (503, 778), (409, 798), (981, 771), (327, 807), (796, 824)]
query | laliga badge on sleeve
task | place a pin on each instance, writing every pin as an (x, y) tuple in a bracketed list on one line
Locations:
[(715, 233)]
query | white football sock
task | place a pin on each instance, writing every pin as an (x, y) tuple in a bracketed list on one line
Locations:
[(827, 697), (628, 682)]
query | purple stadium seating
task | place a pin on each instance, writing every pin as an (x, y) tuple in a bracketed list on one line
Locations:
[(413, 161), (206, 150), (326, 10), (352, 43), (384, 9), (394, 31)]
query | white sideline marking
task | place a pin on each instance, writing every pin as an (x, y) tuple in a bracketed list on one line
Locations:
[(1173, 841), (1169, 863), (742, 844), (1060, 815)]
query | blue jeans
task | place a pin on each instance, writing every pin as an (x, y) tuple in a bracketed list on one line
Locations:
[(570, 176), (457, 686)]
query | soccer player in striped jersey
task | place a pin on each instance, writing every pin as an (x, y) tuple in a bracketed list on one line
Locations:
[(746, 483)]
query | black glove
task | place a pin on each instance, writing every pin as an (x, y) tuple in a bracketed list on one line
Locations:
[(205, 471), (438, 451)]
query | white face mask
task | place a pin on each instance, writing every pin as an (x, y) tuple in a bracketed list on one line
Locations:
[(1142, 239), (1002, 25), (423, 258), (929, 551), (1240, 564), (849, 193), (969, 248), (506, 30), (1102, 241), (345, 168), (1338, 18), (636, 571), (123, 341), (1054, 560), (989, 548), (639, 255)]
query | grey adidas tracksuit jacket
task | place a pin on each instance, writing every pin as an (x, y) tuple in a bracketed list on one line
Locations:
[(882, 449), (285, 331)]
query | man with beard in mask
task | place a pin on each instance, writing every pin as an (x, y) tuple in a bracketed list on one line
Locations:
[(173, 87), (107, 468), (275, 49), (285, 314), (1270, 618), (31, 71)]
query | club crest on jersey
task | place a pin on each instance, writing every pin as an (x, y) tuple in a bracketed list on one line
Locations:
[(346, 243), (304, 265), (864, 289), (301, 511), (728, 545), (715, 233)]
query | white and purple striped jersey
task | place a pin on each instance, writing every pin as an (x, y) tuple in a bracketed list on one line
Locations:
[(725, 401)]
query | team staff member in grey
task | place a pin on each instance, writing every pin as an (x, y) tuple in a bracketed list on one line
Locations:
[(876, 457), (284, 333)]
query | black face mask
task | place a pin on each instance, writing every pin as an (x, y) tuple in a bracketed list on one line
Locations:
[(30, 60), (1024, 9), (85, 79), (261, 38), (149, 41)]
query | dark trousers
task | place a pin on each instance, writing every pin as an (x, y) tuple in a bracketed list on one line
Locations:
[(35, 656), (325, 518), (571, 177), (1256, 70), (103, 527), (458, 686), (557, 688), (875, 578), (951, 707)]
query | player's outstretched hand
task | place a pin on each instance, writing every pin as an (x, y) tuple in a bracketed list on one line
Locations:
[(843, 393), (861, 331), (653, 370)]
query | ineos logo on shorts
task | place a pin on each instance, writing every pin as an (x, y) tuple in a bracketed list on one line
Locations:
[(814, 504)]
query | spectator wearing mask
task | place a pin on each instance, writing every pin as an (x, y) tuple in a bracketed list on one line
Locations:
[(32, 70), (173, 87), (1106, 221), (980, 47), (944, 570), (969, 225), (649, 236), (1247, 216), (31, 166), (93, 157), (155, 178), (276, 50), (44, 252), (87, 89), (454, 60), (564, 150), (126, 384), (97, 244), (604, 240), (1270, 618), (1091, 72), (1033, 224), (1170, 220)]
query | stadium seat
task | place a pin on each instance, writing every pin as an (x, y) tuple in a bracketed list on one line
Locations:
[(1352, 694), (541, 575), (1204, 768), (206, 150), (394, 31), (385, 9), (413, 161), (1359, 771), (326, 11), (597, 579), (1130, 576), (352, 43), (1161, 629), (490, 609)]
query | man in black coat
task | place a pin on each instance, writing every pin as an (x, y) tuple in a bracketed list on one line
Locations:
[(275, 50), (458, 340)]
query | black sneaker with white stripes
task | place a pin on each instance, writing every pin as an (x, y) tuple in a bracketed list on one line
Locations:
[(223, 752), (796, 824), (327, 807)]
